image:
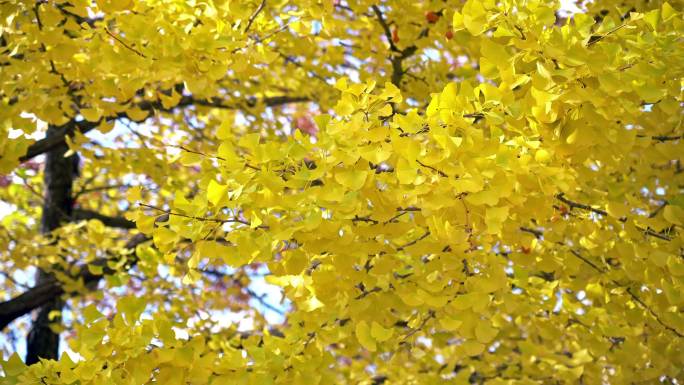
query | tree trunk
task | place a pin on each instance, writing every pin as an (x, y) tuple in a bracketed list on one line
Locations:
[(59, 175)]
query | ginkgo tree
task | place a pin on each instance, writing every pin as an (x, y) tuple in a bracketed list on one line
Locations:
[(480, 191)]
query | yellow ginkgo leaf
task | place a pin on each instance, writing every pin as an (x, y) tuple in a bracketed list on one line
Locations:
[(351, 179), (674, 214), (485, 332), (379, 333), (617, 210), (363, 335), (494, 218), (14, 365), (216, 192)]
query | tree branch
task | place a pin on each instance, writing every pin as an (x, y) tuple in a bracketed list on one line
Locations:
[(395, 60), (77, 18), (413, 242), (123, 43), (52, 288), (385, 28), (99, 188), (260, 298), (203, 219), (653, 313), (29, 300), (634, 297), (662, 138), (574, 205), (70, 128), (57, 138), (537, 233), (254, 15), (120, 222)]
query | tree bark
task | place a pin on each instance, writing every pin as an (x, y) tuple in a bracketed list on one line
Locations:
[(59, 174)]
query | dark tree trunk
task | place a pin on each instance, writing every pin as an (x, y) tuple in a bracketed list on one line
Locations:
[(59, 175)]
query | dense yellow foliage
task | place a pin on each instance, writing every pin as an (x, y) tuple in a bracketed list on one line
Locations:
[(448, 192)]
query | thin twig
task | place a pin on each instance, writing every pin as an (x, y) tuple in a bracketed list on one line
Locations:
[(588, 262), (574, 205), (658, 210), (367, 219), (394, 218), (263, 302), (652, 233), (653, 313), (385, 27), (636, 298), (537, 233), (254, 15), (250, 292), (662, 138), (441, 173), (99, 188), (596, 38), (229, 220), (124, 43), (196, 152), (14, 281), (430, 315), (427, 233)]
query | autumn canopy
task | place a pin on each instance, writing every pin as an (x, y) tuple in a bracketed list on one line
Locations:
[(466, 192)]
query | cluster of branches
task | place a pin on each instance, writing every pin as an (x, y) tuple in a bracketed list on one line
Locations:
[(59, 175), (50, 288)]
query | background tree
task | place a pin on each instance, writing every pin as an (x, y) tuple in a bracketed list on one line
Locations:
[(469, 192)]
